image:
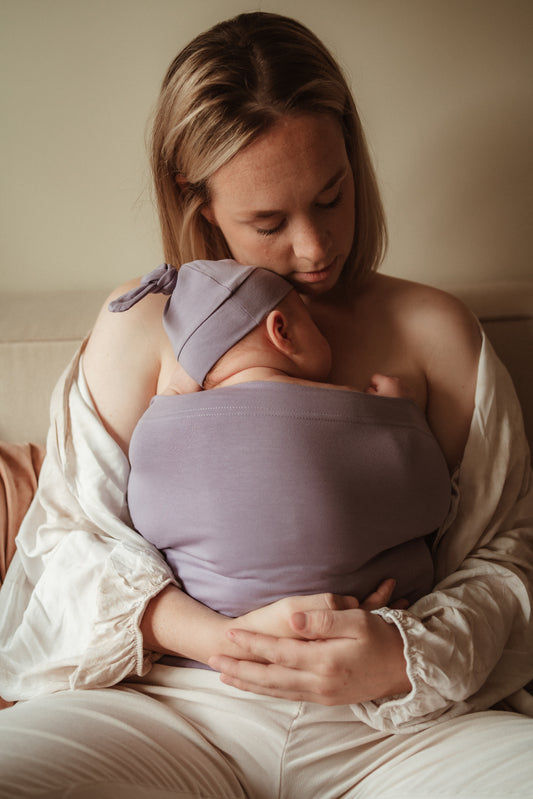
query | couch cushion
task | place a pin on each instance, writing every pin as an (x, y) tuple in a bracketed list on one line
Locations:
[(39, 333)]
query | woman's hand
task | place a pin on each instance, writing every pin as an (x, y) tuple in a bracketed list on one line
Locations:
[(360, 658), (276, 619), (282, 618), (345, 654)]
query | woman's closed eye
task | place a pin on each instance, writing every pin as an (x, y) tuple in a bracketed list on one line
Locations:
[(332, 203), (272, 230), (322, 206)]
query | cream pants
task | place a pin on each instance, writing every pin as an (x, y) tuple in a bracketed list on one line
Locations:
[(181, 733)]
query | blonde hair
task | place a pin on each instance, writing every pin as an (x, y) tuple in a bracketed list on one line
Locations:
[(227, 88)]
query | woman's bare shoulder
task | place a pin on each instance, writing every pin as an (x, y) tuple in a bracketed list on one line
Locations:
[(399, 289), (444, 339), (120, 333), (426, 311), (123, 360)]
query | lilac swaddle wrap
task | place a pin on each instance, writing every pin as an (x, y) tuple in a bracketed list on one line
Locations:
[(265, 490)]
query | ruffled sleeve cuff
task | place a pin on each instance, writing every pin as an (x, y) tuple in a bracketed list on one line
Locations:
[(423, 704)]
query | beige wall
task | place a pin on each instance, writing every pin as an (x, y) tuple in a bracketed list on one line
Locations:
[(444, 87)]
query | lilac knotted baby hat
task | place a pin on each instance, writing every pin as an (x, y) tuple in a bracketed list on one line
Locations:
[(212, 305)]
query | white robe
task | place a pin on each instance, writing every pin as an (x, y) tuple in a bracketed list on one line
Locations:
[(74, 595)]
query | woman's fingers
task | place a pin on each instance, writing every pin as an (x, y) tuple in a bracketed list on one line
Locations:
[(287, 652), (330, 623), (321, 601), (325, 624), (275, 619), (381, 596), (279, 682), (294, 671), (400, 604)]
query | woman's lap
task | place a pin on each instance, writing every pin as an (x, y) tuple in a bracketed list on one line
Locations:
[(100, 743), (190, 736), (486, 754)]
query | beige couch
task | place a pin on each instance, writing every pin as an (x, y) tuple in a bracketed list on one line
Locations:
[(40, 332)]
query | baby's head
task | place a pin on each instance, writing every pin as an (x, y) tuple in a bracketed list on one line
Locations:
[(287, 340), (217, 304)]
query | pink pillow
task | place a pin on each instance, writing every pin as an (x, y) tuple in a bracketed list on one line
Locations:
[(20, 465)]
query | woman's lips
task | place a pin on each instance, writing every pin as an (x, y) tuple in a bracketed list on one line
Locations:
[(315, 277)]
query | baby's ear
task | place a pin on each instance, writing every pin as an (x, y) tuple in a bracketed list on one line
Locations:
[(278, 331)]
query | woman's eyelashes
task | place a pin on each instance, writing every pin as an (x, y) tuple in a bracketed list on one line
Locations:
[(272, 230), (332, 203), (323, 206)]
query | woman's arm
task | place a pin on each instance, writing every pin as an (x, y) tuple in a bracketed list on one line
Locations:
[(127, 357), (176, 624), (447, 340)]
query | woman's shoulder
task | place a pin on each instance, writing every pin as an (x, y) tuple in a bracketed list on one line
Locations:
[(138, 330), (444, 339), (399, 290), (423, 311), (124, 359), (152, 304), (144, 318)]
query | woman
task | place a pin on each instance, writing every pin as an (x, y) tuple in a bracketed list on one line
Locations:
[(258, 154)]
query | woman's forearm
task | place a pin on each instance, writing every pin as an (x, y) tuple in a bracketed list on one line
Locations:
[(176, 624)]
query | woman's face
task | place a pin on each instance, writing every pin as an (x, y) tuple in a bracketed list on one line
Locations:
[(286, 202)]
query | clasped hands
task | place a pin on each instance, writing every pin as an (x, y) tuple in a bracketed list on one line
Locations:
[(323, 648)]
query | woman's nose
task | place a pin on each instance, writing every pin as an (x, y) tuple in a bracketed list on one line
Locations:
[(310, 242)]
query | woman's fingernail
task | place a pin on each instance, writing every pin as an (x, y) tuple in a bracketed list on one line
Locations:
[(299, 620)]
